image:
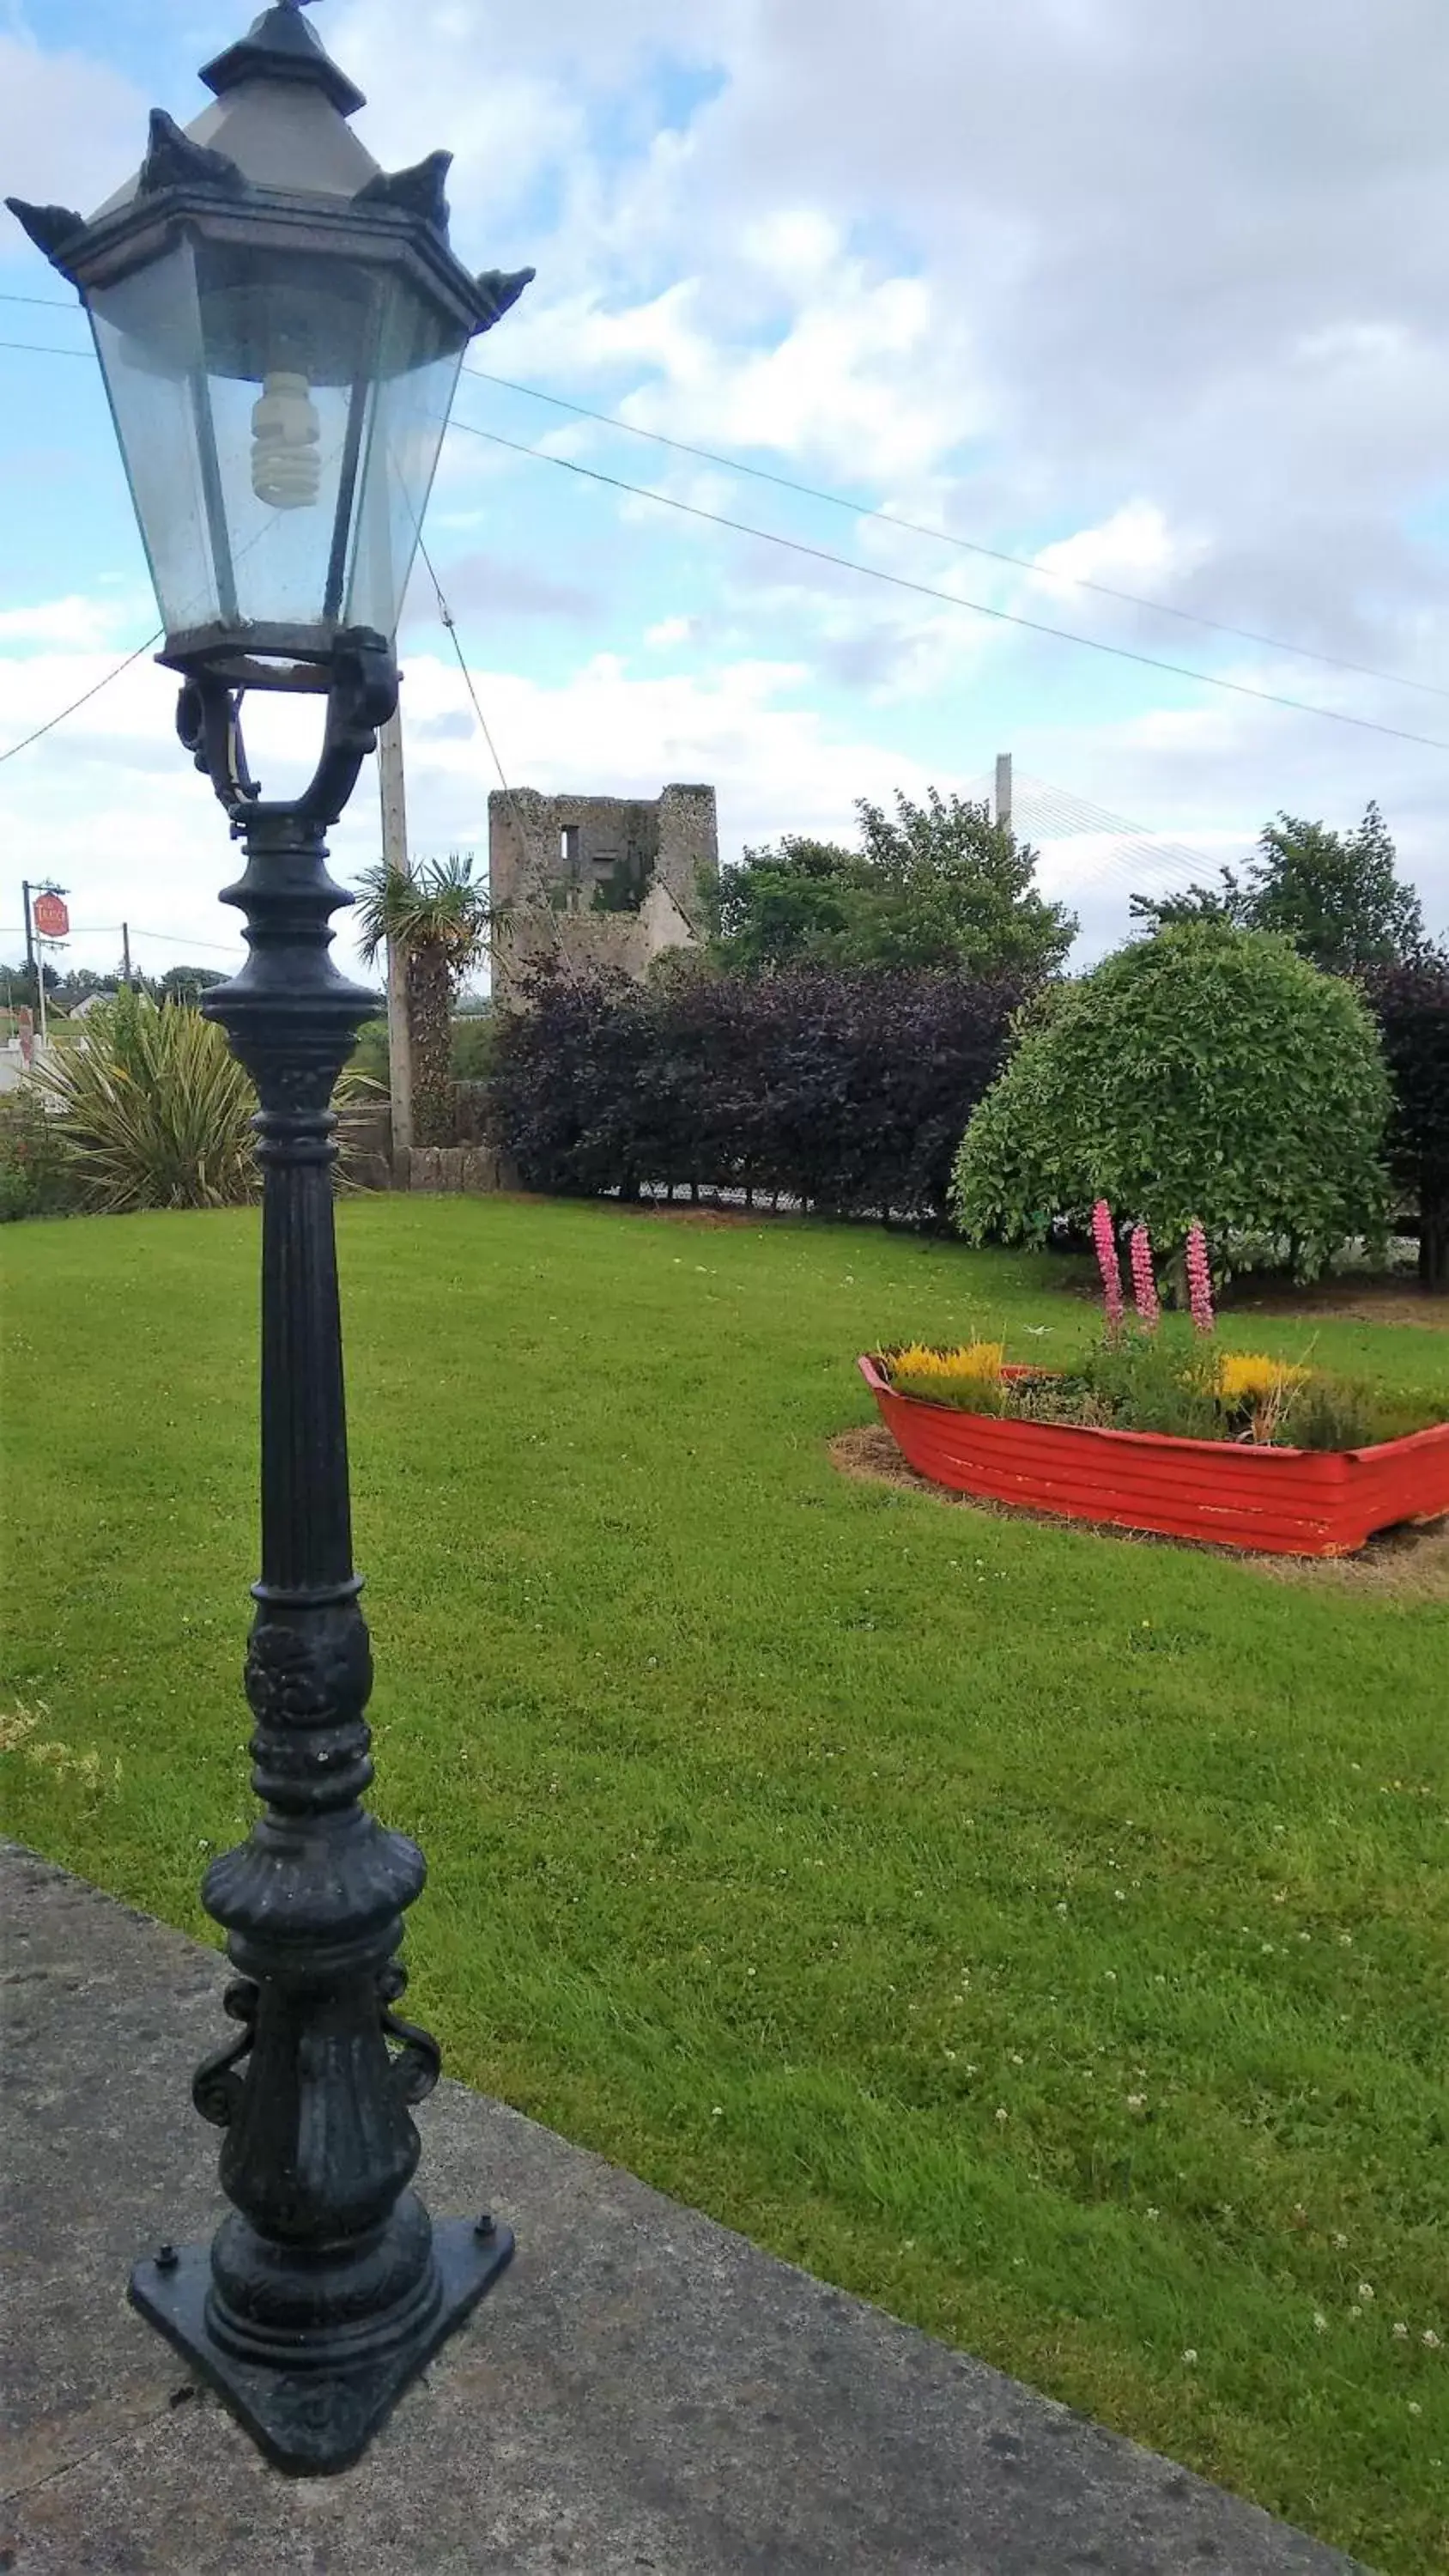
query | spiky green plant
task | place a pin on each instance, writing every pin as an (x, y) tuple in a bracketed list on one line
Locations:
[(154, 1111), (439, 921)]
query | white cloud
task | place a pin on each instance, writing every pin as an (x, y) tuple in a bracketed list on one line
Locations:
[(829, 390), (69, 126), (435, 79), (793, 244), (75, 624), (1135, 548)]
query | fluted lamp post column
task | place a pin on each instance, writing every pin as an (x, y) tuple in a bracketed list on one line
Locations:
[(280, 325)]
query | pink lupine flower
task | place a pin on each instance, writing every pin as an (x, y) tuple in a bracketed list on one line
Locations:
[(1199, 1278), (1106, 1243), (1144, 1283)]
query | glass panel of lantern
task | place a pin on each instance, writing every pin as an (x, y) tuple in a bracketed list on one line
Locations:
[(280, 413)]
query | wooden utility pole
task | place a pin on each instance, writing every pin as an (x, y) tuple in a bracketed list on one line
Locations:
[(125, 952), (1003, 791), (395, 855)]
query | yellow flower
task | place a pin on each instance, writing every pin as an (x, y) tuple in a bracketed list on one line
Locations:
[(1244, 1376), (969, 1360)]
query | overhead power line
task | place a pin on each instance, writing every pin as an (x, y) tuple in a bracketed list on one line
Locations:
[(845, 563), (520, 820), (953, 599), (83, 700), (44, 348), (114, 930), (948, 537), (450, 622), (863, 510), (114, 673), (161, 938)]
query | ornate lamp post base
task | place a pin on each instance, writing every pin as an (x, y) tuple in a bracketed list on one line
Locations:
[(316, 2420)]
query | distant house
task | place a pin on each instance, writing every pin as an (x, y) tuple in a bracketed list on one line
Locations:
[(92, 1002)]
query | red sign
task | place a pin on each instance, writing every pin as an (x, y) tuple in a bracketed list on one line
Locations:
[(51, 917)]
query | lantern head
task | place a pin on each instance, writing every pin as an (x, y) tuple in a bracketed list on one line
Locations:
[(280, 325)]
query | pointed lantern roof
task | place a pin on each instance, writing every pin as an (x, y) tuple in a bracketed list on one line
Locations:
[(281, 46)]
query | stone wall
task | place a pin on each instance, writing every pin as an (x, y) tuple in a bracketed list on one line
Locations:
[(475, 1165), (364, 1137), (601, 882), (475, 1170)]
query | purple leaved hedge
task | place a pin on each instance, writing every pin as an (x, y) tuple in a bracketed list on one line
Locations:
[(847, 1091)]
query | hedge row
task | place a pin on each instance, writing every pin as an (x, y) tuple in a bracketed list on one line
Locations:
[(1411, 1005), (848, 1092)]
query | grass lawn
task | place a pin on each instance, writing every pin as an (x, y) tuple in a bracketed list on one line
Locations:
[(1042, 1934)]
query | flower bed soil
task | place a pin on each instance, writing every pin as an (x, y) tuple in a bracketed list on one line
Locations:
[(1288, 1502)]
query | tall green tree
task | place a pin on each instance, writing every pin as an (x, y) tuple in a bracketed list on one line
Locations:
[(1337, 895), (18, 985), (787, 904), (439, 920), (933, 885), (186, 983), (1209, 1073)]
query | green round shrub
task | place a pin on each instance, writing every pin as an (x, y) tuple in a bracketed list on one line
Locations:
[(1205, 1072)]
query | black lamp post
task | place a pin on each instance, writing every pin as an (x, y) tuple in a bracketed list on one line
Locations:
[(281, 327)]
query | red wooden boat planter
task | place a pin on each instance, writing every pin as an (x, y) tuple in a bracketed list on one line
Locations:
[(1285, 1502)]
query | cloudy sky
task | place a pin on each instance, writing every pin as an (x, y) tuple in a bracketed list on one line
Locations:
[(1147, 296)]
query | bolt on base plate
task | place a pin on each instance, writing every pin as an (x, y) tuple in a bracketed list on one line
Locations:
[(311, 2423)]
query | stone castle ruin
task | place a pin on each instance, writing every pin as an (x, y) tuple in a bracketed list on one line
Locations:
[(597, 883)]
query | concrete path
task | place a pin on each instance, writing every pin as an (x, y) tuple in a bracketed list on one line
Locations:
[(643, 2392)]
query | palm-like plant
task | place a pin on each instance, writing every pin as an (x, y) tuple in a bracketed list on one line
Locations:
[(154, 1110), (438, 920)]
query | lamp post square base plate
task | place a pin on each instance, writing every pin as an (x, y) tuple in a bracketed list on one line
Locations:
[(311, 2423)]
